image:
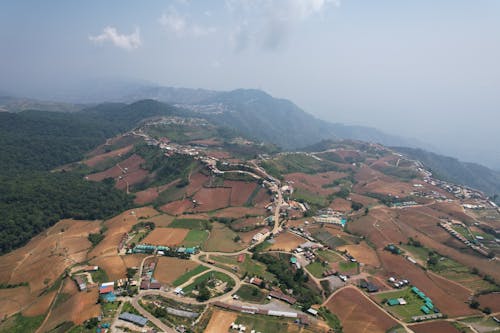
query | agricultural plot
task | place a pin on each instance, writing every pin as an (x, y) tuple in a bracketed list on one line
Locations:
[(435, 326), (404, 312), (166, 236), (261, 323), (169, 269), (189, 274), (328, 239), (227, 283), (190, 223), (176, 207), (362, 252), (358, 314), (316, 269), (222, 239), (220, 321), (287, 242), (195, 238)]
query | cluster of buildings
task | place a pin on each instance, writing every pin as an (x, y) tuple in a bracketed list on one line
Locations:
[(398, 283), (184, 252), (428, 306), (475, 244), (147, 280), (331, 217)]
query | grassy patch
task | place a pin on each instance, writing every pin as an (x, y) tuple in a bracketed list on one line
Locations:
[(209, 276), (248, 267), (405, 312), (193, 224), (127, 307), (348, 267), (330, 256), (21, 324), (185, 277), (195, 238), (316, 269), (99, 276), (222, 239), (251, 294), (302, 195)]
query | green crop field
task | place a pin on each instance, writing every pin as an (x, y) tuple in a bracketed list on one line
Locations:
[(21, 324), (330, 256), (347, 267), (194, 224), (405, 312), (186, 276), (207, 276), (249, 267), (195, 238)]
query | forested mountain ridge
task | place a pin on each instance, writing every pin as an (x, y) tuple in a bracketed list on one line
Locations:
[(453, 170)]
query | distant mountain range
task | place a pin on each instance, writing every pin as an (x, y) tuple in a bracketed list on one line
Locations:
[(257, 115)]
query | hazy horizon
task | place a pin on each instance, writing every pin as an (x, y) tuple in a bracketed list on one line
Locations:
[(416, 69)]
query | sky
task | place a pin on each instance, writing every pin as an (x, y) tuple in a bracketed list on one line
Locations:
[(416, 68)]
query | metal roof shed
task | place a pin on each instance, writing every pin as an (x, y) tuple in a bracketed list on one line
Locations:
[(132, 318)]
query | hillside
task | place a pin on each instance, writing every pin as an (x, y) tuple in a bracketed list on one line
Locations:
[(453, 170)]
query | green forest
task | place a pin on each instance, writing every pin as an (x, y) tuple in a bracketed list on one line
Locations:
[(32, 143)]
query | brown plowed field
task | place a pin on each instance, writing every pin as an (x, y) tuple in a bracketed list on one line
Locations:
[(14, 299), (93, 161), (490, 300), (133, 174), (366, 201), (131, 178), (434, 326), (220, 321), (238, 212), (196, 183), (119, 225), (162, 220), (287, 241), (177, 207), (78, 308), (357, 314), (150, 194), (47, 255), (211, 199), (340, 205), (248, 223), (388, 186), (113, 265), (168, 269), (314, 183), (363, 253), (166, 236), (240, 191), (448, 297), (40, 306), (133, 260), (261, 199)]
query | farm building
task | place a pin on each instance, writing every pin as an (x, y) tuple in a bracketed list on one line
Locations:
[(134, 319), (283, 297), (82, 286)]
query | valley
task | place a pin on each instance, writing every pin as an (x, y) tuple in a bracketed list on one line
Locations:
[(221, 232)]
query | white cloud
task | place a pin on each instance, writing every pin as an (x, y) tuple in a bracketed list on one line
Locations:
[(128, 42), (270, 22), (179, 25)]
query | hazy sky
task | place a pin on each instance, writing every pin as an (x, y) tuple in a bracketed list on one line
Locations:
[(418, 68)]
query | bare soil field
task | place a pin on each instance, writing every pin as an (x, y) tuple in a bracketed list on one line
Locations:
[(366, 174), (366, 201), (261, 199), (238, 212), (357, 314), (79, 307), (150, 194), (450, 298), (453, 210), (133, 260), (341, 205), (287, 242), (131, 178), (363, 253), (96, 159), (118, 142), (166, 236), (196, 183), (314, 183), (162, 220), (388, 186), (113, 265), (247, 224), (168, 269), (434, 326), (177, 207), (220, 321), (240, 191), (119, 225), (222, 239), (40, 306), (14, 299), (490, 300), (211, 199), (47, 255)]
